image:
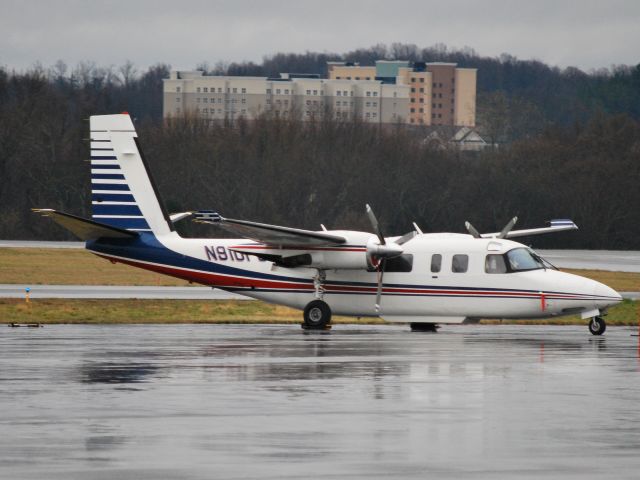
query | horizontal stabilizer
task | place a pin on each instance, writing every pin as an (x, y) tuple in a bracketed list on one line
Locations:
[(270, 234), (83, 228)]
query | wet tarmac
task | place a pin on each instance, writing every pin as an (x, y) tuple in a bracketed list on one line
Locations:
[(274, 402)]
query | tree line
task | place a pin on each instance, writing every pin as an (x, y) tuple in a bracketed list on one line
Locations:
[(306, 173)]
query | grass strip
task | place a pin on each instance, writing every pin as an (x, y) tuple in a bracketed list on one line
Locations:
[(52, 311)]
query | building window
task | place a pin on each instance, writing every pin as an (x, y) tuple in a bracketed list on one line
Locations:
[(268, 101), (421, 100), (413, 79), (268, 91), (368, 94), (198, 89), (421, 110), (413, 90), (439, 95), (315, 92), (204, 100), (220, 90), (439, 105), (308, 92), (375, 104), (178, 89), (367, 78), (338, 93), (413, 100), (244, 90), (178, 99), (338, 78), (413, 110), (308, 102), (395, 94), (243, 111), (178, 110), (368, 115), (439, 115), (433, 115), (422, 80), (205, 110), (277, 91), (244, 100), (357, 78), (421, 89), (375, 94), (374, 114), (235, 90), (433, 105), (205, 90)]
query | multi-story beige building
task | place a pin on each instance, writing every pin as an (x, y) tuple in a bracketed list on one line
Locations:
[(440, 93), (390, 92), (219, 97)]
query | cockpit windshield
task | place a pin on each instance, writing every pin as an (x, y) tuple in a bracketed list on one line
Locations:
[(523, 259)]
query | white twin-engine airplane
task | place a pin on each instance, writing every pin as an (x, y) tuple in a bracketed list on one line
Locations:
[(420, 279)]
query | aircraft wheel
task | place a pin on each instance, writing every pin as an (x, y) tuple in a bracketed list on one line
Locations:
[(597, 326), (424, 327), (317, 315)]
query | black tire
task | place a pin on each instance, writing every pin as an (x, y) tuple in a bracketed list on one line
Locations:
[(424, 327), (597, 326), (317, 315)]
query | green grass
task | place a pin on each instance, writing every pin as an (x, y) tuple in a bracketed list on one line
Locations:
[(215, 311), (70, 267), (40, 266), (149, 311)]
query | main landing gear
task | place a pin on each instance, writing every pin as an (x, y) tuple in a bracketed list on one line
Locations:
[(317, 316), (317, 313), (424, 327), (597, 326)]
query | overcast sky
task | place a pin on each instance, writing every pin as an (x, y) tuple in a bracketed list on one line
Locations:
[(587, 34)]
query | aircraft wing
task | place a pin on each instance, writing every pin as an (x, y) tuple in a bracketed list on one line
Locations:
[(554, 226), (273, 235)]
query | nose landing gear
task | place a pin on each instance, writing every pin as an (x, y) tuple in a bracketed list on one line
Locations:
[(597, 326)]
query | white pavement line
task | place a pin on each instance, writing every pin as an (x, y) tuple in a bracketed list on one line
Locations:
[(117, 292)]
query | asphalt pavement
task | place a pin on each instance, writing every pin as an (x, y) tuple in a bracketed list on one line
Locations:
[(275, 402)]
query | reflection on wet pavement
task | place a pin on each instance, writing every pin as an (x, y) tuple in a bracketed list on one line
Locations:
[(220, 401)]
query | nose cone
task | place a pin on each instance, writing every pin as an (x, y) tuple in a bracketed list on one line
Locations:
[(605, 296)]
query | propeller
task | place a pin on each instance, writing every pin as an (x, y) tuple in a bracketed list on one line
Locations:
[(472, 230), (507, 228), (503, 233), (381, 251)]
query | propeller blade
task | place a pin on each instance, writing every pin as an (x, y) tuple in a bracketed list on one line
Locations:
[(472, 230), (507, 228), (374, 224), (406, 237), (380, 277)]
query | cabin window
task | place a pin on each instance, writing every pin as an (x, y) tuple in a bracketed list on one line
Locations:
[(495, 264), (436, 262), (522, 259), (459, 263)]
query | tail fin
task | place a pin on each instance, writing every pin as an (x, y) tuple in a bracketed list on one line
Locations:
[(123, 194)]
